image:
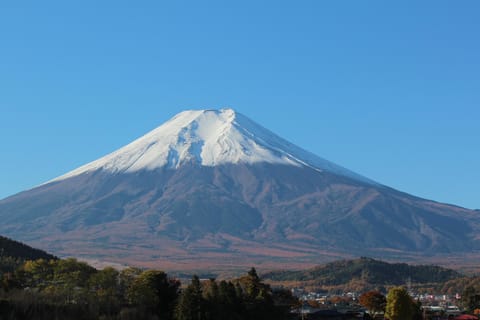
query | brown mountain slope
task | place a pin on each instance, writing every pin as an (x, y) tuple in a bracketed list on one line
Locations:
[(234, 215)]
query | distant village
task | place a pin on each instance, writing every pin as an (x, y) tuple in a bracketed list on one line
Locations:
[(319, 305)]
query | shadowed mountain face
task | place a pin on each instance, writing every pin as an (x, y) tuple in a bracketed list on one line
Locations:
[(212, 189), (12, 249), (249, 213)]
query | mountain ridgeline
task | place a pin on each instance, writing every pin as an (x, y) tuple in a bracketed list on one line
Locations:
[(14, 253), (369, 272), (14, 249), (213, 189)]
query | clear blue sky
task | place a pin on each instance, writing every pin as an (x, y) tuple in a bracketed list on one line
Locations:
[(388, 89)]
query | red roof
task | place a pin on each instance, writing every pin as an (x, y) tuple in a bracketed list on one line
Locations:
[(466, 317)]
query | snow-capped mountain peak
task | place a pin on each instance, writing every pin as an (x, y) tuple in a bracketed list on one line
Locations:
[(208, 138)]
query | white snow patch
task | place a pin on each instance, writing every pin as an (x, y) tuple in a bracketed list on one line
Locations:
[(209, 138)]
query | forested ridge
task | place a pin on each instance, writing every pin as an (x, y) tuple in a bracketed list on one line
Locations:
[(69, 289), (365, 274), (38, 285), (15, 249), (13, 254)]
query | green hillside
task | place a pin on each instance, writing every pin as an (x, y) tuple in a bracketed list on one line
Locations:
[(14, 253), (365, 272)]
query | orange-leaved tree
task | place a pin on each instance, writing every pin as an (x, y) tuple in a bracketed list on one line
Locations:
[(374, 301)]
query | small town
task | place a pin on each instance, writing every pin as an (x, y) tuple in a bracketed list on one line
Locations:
[(317, 305)]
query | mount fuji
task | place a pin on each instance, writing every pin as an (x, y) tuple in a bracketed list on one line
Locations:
[(208, 138), (213, 189)]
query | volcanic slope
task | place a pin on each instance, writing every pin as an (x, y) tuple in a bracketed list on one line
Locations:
[(213, 189)]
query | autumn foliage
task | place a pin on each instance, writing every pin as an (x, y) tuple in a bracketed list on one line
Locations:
[(374, 301)]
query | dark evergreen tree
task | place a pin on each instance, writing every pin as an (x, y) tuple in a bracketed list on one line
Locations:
[(252, 287), (155, 292), (191, 304), (105, 293)]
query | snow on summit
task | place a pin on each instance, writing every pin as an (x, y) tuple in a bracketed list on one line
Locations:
[(208, 138)]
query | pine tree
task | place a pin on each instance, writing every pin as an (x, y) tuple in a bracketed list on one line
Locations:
[(253, 284), (191, 305), (154, 291)]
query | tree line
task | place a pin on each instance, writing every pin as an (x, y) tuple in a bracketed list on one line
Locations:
[(70, 289), (365, 274), (399, 305)]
